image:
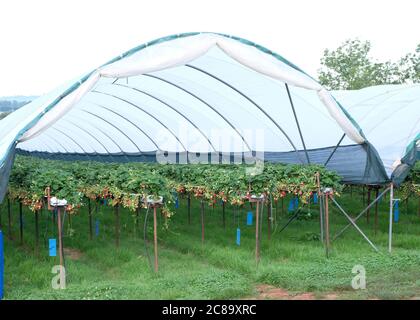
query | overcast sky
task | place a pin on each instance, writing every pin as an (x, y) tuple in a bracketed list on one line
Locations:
[(44, 43)]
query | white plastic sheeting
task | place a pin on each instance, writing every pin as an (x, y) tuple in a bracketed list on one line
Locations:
[(198, 92), (245, 64), (389, 116)]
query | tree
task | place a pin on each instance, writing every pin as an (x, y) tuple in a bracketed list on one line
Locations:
[(409, 67), (350, 67)]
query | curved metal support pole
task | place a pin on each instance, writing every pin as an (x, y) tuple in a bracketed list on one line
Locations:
[(204, 102), (246, 97), (297, 124), (148, 113), (127, 120), (169, 106), (87, 132), (103, 132), (118, 129), (63, 133)]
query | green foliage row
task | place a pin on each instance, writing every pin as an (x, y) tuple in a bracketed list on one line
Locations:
[(130, 184), (411, 185)]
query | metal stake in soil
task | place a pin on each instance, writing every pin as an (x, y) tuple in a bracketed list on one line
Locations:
[(9, 217), (257, 236), (21, 222), (202, 221), (376, 209), (189, 208), (117, 225), (90, 221), (223, 213), (155, 238), (37, 232), (327, 226), (60, 238)]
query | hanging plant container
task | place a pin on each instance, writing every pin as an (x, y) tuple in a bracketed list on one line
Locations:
[(154, 200), (256, 198), (54, 202)]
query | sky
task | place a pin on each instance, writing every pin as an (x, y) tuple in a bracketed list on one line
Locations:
[(45, 43)]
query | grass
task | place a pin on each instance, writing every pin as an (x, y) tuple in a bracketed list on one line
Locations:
[(218, 269)]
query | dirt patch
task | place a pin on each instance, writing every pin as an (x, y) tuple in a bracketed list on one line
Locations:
[(267, 292), (73, 254)]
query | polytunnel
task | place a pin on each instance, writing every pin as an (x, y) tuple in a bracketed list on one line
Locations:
[(390, 118), (193, 96)]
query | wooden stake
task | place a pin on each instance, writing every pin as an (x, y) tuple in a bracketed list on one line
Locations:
[(117, 225), (257, 236), (269, 219), (282, 206), (376, 209), (155, 238), (60, 238), (136, 220), (9, 217), (321, 222), (189, 208), (277, 210), (202, 221), (418, 209), (37, 232), (363, 193), (224, 215), (368, 200), (327, 226), (90, 220), (21, 222), (391, 211)]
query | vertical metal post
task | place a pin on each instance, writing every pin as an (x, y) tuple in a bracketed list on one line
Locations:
[(117, 225), (368, 203), (9, 217), (376, 209), (189, 208), (60, 239), (363, 193), (282, 206), (202, 220), (155, 238), (327, 226), (1, 266), (224, 214), (21, 222), (90, 220), (269, 219), (136, 222), (37, 232), (257, 236), (321, 212), (418, 208), (391, 207), (277, 210)]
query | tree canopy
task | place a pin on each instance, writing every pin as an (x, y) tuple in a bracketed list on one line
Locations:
[(350, 67)]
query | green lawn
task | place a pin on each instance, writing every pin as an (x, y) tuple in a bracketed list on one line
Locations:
[(293, 260)]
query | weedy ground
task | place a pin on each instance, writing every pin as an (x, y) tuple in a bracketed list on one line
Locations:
[(293, 263)]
